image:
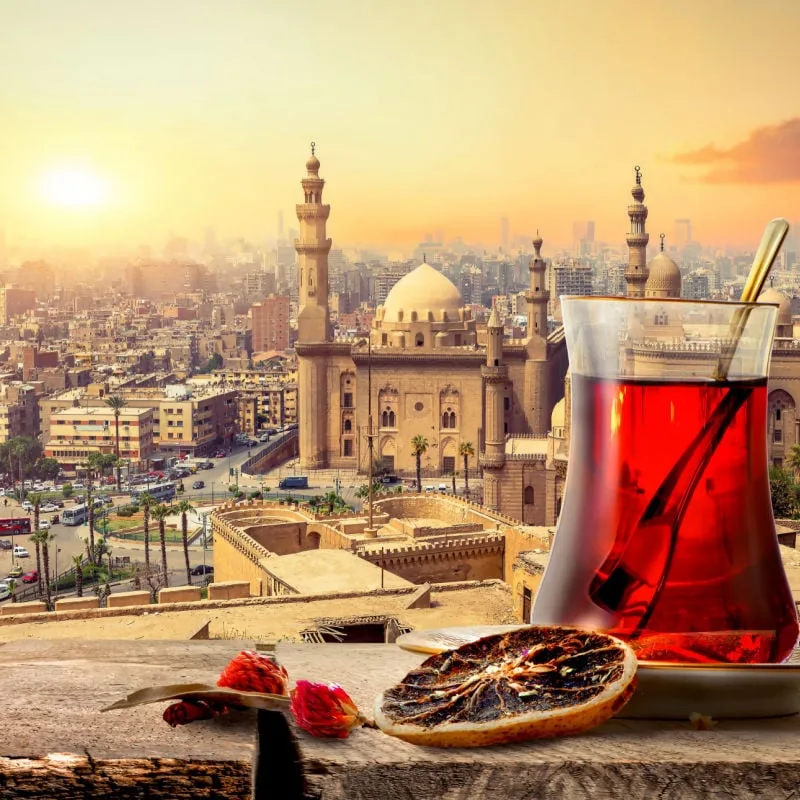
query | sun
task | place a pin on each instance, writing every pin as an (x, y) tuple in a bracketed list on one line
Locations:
[(74, 187)]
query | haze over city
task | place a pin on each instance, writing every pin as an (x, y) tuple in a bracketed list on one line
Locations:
[(125, 123)]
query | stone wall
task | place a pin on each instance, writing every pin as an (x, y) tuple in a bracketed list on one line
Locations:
[(520, 540), (237, 556), (480, 558), (281, 538), (445, 508)]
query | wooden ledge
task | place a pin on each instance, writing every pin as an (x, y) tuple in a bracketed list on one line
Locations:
[(62, 746)]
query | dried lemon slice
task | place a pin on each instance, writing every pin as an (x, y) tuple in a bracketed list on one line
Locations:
[(527, 684)]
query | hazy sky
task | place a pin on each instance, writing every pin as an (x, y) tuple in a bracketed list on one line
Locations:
[(428, 114)]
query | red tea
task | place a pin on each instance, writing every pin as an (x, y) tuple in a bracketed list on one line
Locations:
[(666, 537)]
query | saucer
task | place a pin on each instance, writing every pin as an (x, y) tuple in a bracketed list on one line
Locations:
[(666, 690)]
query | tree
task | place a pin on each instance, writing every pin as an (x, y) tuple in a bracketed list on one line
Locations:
[(47, 469), (466, 451), (783, 492), (793, 461), (36, 538), (78, 562), (67, 490), (22, 452), (215, 362), (147, 501), (160, 513), (419, 446), (36, 501), (47, 537), (12, 587), (362, 493), (116, 403), (183, 508)]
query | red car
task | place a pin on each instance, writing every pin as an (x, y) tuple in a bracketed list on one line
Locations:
[(30, 577)]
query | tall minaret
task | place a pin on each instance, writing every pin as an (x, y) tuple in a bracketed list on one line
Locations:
[(313, 327), (312, 258), (537, 295), (636, 273), (495, 377)]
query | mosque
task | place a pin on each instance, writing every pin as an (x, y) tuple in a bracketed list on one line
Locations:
[(427, 373)]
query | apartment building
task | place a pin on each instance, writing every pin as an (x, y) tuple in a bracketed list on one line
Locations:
[(76, 432), (271, 324), (19, 411)]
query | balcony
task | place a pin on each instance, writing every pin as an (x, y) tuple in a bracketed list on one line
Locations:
[(74, 750)]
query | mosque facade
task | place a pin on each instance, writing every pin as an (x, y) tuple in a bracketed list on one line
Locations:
[(426, 372)]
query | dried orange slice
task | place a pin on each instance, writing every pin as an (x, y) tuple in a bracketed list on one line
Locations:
[(527, 684)]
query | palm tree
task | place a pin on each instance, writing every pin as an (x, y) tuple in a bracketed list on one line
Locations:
[(12, 587), (419, 446), (793, 461), (36, 538), (116, 403), (147, 502), (183, 508), (160, 513), (466, 451), (78, 562), (47, 537)]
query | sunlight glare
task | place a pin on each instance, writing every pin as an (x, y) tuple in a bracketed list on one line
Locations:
[(74, 187)]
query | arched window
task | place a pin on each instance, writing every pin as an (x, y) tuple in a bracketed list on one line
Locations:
[(419, 341), (392, 419), (528, 498), (452, 419), (445, 420), (348, 425), (385, 419)]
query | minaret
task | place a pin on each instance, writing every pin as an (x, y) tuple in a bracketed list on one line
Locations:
[(636, 273), (495, 377), (537, 295), (312, 258), (313, 328)]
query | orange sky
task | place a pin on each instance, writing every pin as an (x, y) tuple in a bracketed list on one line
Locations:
[(428, 115)]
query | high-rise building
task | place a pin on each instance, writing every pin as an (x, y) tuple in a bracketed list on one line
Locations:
[(582, 238), (14, 301), (271, 324), (683, 232)]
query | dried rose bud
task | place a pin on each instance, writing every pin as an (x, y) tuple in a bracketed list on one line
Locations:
[(185, 711), (254, 672), (324, 709)]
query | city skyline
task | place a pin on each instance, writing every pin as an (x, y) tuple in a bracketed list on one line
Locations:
[(172, 118)]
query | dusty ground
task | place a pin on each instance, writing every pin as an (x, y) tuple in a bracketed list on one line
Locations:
[(483, 605)]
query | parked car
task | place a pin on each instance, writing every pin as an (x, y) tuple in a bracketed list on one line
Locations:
[(47, 508), (15, 571), (5, 591), (199, 485), (44, 525), (220, 454), (296, 482), (27, 505), (32, 576), (21, 552), (77, 485), (203, 569), (5, 544)]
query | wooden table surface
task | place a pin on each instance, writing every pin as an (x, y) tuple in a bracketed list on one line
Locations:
[(57, 744)]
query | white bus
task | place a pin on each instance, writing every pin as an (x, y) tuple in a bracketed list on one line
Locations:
[(76, 515), (158, 491)]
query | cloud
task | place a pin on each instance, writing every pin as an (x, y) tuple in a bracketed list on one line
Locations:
[(768, 155)]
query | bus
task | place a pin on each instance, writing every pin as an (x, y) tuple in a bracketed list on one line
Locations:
[(158, 491), (9, 527), (76, 515)]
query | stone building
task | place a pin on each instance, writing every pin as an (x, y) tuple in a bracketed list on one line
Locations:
[(425, 371)]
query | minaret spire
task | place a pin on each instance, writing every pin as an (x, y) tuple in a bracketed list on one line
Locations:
[(495, 377), (636, 273), (537, 295), (312, 263)]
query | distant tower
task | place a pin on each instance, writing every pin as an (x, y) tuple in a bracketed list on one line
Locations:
[(495, 376), (636, 272), (280, 225), (537, 295), (313, 328)]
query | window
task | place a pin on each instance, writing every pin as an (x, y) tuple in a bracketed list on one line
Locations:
[(388, 463), (449, 419), (384, 339), (348, 425), (777, 435), (506, 403), (348, 447), (348, 400), (777, 415), (419, 340), (528, 497), (449, 465)]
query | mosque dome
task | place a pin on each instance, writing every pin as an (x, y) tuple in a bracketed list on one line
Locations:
[(664, 277), (423, 289), (784, 304), (559, 415)]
